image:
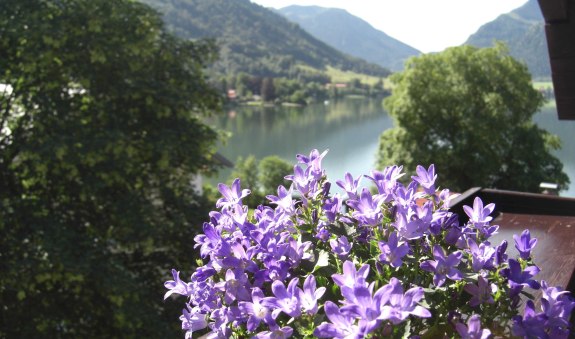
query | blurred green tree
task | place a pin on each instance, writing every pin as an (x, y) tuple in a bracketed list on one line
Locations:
[(262, 177), (468, 111), (100, 134), (272, 170), (268, 91)]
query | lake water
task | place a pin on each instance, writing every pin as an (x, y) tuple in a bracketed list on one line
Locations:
[(349, 128)]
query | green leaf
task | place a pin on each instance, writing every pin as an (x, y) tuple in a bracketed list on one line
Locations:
[(21, 295)]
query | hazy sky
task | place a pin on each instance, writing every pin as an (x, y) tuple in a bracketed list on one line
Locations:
[(428, 25)]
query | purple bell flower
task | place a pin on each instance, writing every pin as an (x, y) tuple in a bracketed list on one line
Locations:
[(531, 325), (479, 215), (285, 300), (350, 278), (392, 252), (255, 311), (500, 255), (443, 266), (279, 333), (341, 247), (386, 181), (482, 255), (341, 325), (398, 306), (332, 207), (313, 162), (367, 208), (519, 278), (193, 320), (473, 329), (350, 185), (557, 305), (426, 178), (322, 232), (524, 244), (235, 287), (232, 195), (414, 223), (480, 293), (177, 286), (310, 295), (283, 200), (302, 181)]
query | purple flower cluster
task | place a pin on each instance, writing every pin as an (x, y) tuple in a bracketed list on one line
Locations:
[(363, 311), (552, 321), (291, 268)]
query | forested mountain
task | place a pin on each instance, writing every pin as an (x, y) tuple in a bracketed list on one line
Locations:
[(523, 31), (255, 40), (351, 35)]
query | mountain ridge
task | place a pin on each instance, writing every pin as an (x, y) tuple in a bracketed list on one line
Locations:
[(350, 34), (523, 30), (254, 39)]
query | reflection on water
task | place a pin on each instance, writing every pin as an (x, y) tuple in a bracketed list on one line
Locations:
[(349, 128)]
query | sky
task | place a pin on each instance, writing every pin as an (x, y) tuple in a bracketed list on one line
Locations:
[(428, 25)]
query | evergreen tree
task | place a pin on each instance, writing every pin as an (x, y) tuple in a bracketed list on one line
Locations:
[(268, 90)]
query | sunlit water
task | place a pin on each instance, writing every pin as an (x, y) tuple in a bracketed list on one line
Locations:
[(349, 128), (565, 129)]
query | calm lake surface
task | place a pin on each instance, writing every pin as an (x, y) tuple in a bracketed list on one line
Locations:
[(349, 128)]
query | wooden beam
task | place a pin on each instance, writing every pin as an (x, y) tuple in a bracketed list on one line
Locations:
[(560, 38), (515, 202), (563, 73), (560, 32), (566, 108), (554, 10)]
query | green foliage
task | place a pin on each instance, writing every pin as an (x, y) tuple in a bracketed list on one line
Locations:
[(268, 91), (469, 111), (101, 131), (340, 76), (307, 88), (272, 171), (261, 177)]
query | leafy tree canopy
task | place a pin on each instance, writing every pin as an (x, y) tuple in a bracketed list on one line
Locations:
[(100, 131), (468, 111)]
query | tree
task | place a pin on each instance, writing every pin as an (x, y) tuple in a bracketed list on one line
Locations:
[(272, 171), (468, 111), (268, 90), (100, 132)]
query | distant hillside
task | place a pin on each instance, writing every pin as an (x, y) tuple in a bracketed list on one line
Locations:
[(351, 35), (523, 31), (254, 39)]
